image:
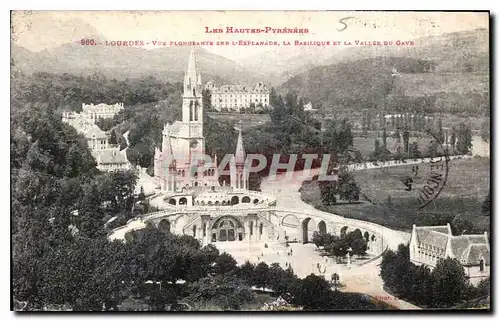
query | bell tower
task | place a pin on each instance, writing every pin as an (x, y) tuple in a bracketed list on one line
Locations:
[(192, 107)]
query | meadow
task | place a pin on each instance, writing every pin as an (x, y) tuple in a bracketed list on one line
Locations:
[(385, 201)]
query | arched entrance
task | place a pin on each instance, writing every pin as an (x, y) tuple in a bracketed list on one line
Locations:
[(235, 200), (164, 226), (322, 227), (245, 199), (305, 233), (182, 201), (343, 231), (172, 201), (227, 229)]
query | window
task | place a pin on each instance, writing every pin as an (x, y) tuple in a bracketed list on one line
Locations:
[(481, 265)]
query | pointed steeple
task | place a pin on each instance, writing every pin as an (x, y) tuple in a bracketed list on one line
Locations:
[(240, 152), (167, 147), (191, 78)]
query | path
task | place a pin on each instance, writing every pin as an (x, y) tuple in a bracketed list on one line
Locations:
[(362, 279)]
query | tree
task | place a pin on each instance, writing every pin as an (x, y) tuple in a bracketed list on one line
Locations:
[(414, 151), (261, 274), (433, 148), (246, 271), (206, 99), (406, 139), (141, 195), (461, 226), (376, 150), (384, 138), (224, 291), (364, 126), (464, 139), (422, 289), (159, 298), (337, 249), (347, 188), (337, 137), (318, 239), (485, 130), (254, 181), (486, 207), (453, 138), (313, 293), (225, 264), (440, 132), (450, 282), (359, 246), (328, 192)]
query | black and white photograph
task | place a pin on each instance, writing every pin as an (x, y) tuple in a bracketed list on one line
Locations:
[(250, 161)]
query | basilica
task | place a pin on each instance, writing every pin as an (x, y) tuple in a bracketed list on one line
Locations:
[(181, 162), (188, 192)]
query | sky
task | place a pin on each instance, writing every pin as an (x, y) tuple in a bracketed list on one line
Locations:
[(39, 30)]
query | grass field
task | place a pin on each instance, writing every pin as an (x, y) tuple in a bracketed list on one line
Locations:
[(391, 205)]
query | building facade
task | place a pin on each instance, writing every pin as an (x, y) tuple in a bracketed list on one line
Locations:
[(108, 156), (187, 182), (95, 112), (235, 97), (429, 244), (181, 162)]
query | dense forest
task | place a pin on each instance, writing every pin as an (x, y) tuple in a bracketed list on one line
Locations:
[(392, 84), (61, 203)]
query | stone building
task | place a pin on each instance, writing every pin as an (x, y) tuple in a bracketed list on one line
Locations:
[(235, 97), (95, 112), (187, 181), (181, 162), (429, 244), (108, 156)]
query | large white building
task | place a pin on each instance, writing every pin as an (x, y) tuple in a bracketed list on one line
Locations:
[(429, 244), (95, 112), (235, 97)]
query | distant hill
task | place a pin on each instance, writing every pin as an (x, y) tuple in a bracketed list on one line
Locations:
[(369, 80), (280, 64), (465, 51), (166, 63)]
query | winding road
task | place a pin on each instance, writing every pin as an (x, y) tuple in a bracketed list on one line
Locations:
[(364, 278)]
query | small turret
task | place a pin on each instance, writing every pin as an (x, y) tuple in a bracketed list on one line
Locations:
[(240, 152)]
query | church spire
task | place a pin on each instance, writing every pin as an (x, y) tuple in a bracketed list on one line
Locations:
[(240, 152), (167, 147), (191, 78)]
